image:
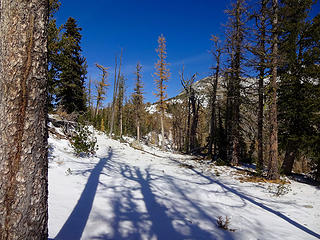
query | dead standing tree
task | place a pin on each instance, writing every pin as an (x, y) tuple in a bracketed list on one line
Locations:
[(120, 104), (101, 87), (115, 91), (193, 106), (216, 52)]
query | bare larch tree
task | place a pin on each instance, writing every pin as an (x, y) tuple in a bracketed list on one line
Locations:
[(162, 76), (101, 87)]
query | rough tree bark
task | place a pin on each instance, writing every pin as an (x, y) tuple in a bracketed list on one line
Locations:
[(23, 114)]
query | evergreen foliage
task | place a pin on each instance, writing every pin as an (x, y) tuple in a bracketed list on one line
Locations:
[(70, 89), (299, 86), (235, 47), (137, 99), (53, 52), (83, 141)]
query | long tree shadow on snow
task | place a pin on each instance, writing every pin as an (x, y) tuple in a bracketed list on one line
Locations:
[(279, 214), (161, 223), (76, 222), (156, 222)]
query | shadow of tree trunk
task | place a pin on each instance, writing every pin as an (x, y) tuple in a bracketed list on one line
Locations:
[(75, 224)]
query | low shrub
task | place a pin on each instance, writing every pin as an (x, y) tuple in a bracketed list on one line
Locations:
[(83, 141), (279, 190)]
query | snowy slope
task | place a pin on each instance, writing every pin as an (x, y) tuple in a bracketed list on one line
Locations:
[(123, 193)]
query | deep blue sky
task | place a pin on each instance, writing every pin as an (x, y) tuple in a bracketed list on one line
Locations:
[(134, 25)]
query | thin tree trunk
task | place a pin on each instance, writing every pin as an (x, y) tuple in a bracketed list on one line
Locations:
[(115, 89), (213, 107), (212, 127), (194, 125), (221, 133), (120, 122), (262, 67), (97, 108), (120, 97), (229, 123), (138, 131), (162, 128), (273, 171), (115, 92), (188, 127), (23, 115)]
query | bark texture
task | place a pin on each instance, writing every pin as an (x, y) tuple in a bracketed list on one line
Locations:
[(23, 114)]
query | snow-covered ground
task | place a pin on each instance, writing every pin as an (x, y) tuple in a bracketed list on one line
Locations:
[(123, 193)]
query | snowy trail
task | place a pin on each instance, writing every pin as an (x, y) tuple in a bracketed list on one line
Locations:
[(128, 194)]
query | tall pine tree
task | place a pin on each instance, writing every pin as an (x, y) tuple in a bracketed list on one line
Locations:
[(137, 99), (297, 92), (71, 90), (235, 47)]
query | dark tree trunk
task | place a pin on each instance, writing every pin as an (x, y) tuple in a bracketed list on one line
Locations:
[(221, 134), (289, 158), (23, 115), (236, 25), (229, 122), (213, 128), (162, 128), (273, 171), (195, 104), (237, 71), (188, 127), (261, 50)]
